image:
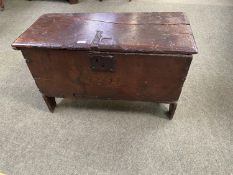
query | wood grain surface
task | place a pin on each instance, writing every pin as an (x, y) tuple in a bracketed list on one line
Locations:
[(61, 73), (157, 32), (119, 56)]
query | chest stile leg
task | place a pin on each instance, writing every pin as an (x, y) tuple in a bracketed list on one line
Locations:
[(1, 5), (50, 102), (172, 109)]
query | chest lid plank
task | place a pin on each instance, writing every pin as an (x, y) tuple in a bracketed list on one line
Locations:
[(156, 32)]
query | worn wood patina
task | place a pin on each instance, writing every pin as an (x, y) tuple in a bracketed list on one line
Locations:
[(127, 56)]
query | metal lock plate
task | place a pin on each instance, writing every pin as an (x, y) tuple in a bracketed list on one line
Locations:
[(102, 63)]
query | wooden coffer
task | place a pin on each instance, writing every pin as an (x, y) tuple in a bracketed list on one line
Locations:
[(121, 56)]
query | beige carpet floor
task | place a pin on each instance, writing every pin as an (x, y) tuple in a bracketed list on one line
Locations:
[(109, 137)]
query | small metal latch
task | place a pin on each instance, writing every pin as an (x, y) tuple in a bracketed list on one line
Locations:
[(98, 39)]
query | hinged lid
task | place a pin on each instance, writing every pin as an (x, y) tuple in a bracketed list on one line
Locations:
[(157, 32)]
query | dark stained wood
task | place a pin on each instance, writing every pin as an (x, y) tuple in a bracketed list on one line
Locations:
[(1, 5), (62, 73), (161, 32), (172, 109), (50, 102), (129, 56)]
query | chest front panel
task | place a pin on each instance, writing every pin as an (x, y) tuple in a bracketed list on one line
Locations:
[(148, 77)]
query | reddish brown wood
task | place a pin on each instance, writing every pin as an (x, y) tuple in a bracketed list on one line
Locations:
[(163, 32), (136, 76), (50, 102), (172, 109), (129, 56), (1, 5)]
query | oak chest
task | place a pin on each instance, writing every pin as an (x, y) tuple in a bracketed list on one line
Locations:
[(126, 56)]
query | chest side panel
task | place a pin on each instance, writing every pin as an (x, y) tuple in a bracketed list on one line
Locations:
[(62, 73)]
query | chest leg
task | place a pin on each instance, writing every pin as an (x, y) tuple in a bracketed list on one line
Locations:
[(50, 102), (1, 5), (172, 109)]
